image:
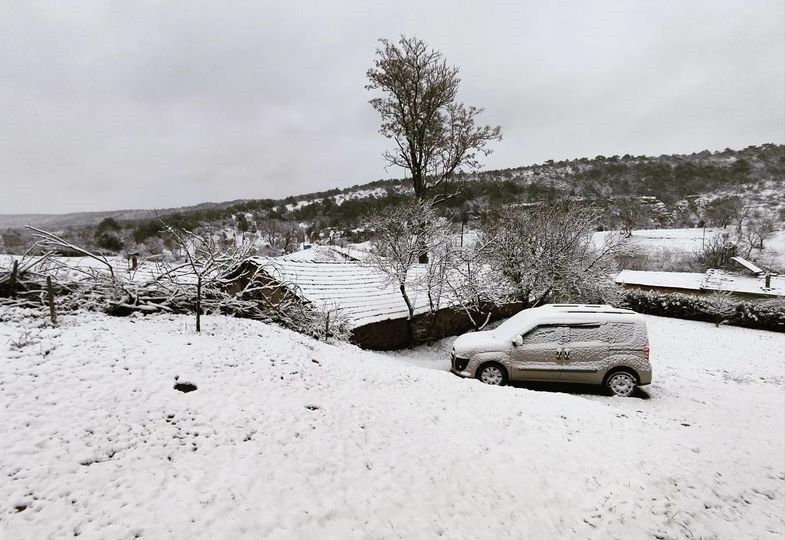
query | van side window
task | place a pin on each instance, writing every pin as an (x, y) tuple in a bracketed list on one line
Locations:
[(543, 334), (611, 332), (589, 332)]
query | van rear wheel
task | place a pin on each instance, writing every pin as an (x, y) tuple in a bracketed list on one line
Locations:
[(621, 383), (492, 374)]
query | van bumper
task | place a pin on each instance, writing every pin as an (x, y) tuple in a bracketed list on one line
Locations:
[(465, 374)]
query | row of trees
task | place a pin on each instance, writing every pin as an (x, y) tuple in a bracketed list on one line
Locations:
[(523, 254)]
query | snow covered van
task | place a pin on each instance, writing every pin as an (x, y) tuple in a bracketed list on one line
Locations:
[(595, 344)]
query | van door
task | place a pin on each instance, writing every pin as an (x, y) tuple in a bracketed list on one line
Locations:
[(538, 357), (585, 350)]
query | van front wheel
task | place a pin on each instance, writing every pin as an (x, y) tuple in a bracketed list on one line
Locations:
[(492, 374), (621, 383)]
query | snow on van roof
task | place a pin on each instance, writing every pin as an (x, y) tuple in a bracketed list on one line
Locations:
[(563, 314), (587, 308)]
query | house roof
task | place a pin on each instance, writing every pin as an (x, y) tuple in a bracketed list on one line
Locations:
[(317, 254), (363, 294), (712, 280)]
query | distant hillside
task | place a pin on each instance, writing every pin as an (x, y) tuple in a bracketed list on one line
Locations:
[(669, 190), (59, 221), (641, 191)]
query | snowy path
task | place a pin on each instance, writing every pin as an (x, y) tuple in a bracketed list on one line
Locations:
[(287, 437)]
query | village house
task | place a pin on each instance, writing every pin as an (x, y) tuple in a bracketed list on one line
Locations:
[(750, 283), (372, 307)]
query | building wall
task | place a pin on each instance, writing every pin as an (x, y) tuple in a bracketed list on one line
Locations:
[(393, 334)]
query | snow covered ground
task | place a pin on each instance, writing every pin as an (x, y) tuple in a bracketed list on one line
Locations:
[(286, 437), (691, 241)]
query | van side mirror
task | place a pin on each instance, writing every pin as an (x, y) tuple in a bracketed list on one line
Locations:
[(517, 341)]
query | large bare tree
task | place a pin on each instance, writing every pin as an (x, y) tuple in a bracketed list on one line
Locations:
[(436, 136)]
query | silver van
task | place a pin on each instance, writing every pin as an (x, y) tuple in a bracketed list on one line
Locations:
[(582, 343)]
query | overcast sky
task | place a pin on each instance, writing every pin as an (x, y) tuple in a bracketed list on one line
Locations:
[(113, 105)]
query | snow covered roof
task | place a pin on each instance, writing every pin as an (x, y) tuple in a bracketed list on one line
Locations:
[(748, 265), (674, 280), (363, 294), (316, 254), (712, 280)]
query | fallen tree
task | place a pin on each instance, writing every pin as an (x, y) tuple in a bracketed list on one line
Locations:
[(200, 284)]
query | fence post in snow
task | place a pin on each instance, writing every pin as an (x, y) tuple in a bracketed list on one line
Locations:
[(12, 283), (50, 299)]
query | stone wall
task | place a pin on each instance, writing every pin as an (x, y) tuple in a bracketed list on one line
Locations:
[(393, 334)]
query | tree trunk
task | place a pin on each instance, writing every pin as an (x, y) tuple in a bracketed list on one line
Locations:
[(422, 256), (410, 319), (198, 304)]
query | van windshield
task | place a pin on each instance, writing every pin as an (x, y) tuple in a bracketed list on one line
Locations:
[(515, 324)]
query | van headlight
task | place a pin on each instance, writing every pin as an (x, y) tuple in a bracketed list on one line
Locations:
[(459, 363)]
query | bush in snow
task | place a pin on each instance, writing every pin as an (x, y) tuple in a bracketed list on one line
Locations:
[(720, 304), (769, 315)]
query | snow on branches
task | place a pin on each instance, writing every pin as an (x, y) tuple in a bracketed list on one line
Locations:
[(197, 279)]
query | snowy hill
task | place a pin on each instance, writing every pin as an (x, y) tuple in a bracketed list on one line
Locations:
[(670, 190), (286, 437)]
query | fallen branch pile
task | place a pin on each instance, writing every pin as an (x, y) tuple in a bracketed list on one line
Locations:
[(198, 285)]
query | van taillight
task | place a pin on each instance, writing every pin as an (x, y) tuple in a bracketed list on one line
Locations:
[(646, 350)]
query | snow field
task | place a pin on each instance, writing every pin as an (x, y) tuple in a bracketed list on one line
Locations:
[(691, 241), (286, 437)]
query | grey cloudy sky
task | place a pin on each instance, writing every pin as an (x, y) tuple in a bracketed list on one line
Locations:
[(112, 105)]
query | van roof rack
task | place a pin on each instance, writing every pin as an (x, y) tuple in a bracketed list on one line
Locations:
[(589, 308)]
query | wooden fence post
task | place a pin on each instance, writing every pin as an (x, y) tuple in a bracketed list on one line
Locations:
[(50, 298), (14, 274)]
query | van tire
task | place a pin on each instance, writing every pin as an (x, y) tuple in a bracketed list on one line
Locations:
[(622, 383), (492, 373)]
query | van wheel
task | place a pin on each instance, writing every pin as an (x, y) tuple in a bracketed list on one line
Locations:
[(621, 383), (493, 374)]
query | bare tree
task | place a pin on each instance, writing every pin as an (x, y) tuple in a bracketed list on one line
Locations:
[(722, 211), (718, 251), (400, 232), (720, 305), (757, 231), (436, 137), (547, 251), (631, 215), (207, 259), (472, 285), (281, 236)]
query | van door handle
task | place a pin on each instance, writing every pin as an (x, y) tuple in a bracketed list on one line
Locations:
[(558, 354), (566, 354)]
